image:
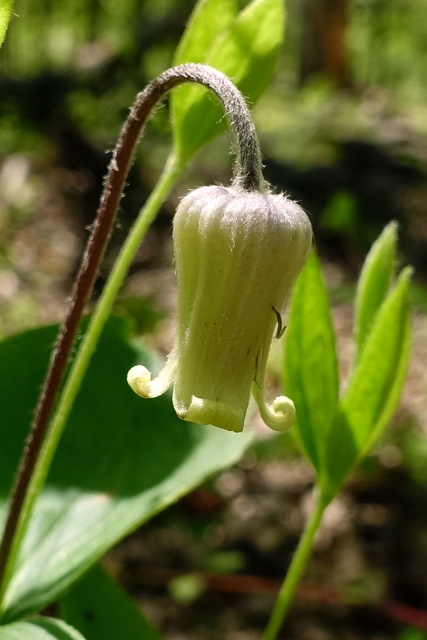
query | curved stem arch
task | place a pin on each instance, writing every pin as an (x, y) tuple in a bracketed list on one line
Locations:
[(44, 435)]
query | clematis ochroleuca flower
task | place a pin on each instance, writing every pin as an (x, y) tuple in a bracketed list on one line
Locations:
[(237, 256)]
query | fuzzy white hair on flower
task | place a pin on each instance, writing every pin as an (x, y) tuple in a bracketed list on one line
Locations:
[(238, 251)]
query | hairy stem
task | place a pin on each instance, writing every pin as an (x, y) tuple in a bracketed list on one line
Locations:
[(42, 440), (295, 571)]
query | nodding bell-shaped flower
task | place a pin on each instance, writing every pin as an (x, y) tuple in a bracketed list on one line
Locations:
[(237, 256)]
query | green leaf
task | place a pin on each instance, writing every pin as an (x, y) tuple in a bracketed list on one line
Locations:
[(210, 18), (6, 7), (374, 389), (411, 633), (121, 460), (374, 282), (310, 362), (100, 609), (39, 629), (246, 52), (383, 364)]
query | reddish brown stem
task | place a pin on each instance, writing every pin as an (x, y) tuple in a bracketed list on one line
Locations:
[(247, 176)]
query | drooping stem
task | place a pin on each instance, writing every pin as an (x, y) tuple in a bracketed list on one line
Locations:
[(42, 440), (295, 571)]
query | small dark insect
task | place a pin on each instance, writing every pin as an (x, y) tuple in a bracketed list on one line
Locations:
[(256, 370), (280, 326)]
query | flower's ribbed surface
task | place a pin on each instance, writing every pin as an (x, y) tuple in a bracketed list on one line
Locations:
[(237, 255)]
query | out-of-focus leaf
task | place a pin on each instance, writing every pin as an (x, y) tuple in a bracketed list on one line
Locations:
[(100, 609), (121, 460), (186, 588), (340, 214), (6, 7), (310, 363), (39, 629), (143, 314), (410, 633), (246, 51), (374, 282), (374, 389), (414, 450)]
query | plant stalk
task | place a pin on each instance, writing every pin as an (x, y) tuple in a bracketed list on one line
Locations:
[(295, 571), (43, 439)]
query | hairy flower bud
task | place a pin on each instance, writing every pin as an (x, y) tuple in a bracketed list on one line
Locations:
[(237, 255)]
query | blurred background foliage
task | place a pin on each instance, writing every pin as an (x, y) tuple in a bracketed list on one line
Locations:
[(343, 124), (343, 129)]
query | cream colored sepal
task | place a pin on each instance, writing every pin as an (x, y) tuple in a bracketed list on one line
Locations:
[(220, 414), (279, 416), (139, 380)]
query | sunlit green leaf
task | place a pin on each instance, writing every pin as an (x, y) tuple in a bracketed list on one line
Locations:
[(210, 18), (374, 389), (121, 460), (395, 326), (39, 629), (310, 364), (6, 7), (246, 51), (100, 609), (374, 282)]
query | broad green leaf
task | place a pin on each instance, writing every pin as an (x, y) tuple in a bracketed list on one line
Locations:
[(6, 7), (246, 52), (210, 18), (100, 609), (310, 363), (39, 628), (374, 282), (121, 460), (374, 389)]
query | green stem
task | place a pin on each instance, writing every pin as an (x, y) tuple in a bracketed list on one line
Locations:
[(44, 433), (295, 571), (170, 175)]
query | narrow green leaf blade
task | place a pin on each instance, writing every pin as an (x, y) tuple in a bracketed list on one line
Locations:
[(382, 367), (246, 52), (210, 18), (6, 7), (374, 389), (121, 460), (99, 608), (374, 282), (39, 628), (310, 361)]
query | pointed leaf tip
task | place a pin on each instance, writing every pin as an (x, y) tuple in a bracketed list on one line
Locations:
[(374, 282)]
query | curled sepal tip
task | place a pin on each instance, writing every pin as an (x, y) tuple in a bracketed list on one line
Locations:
[(139, 380), (280, 415)]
